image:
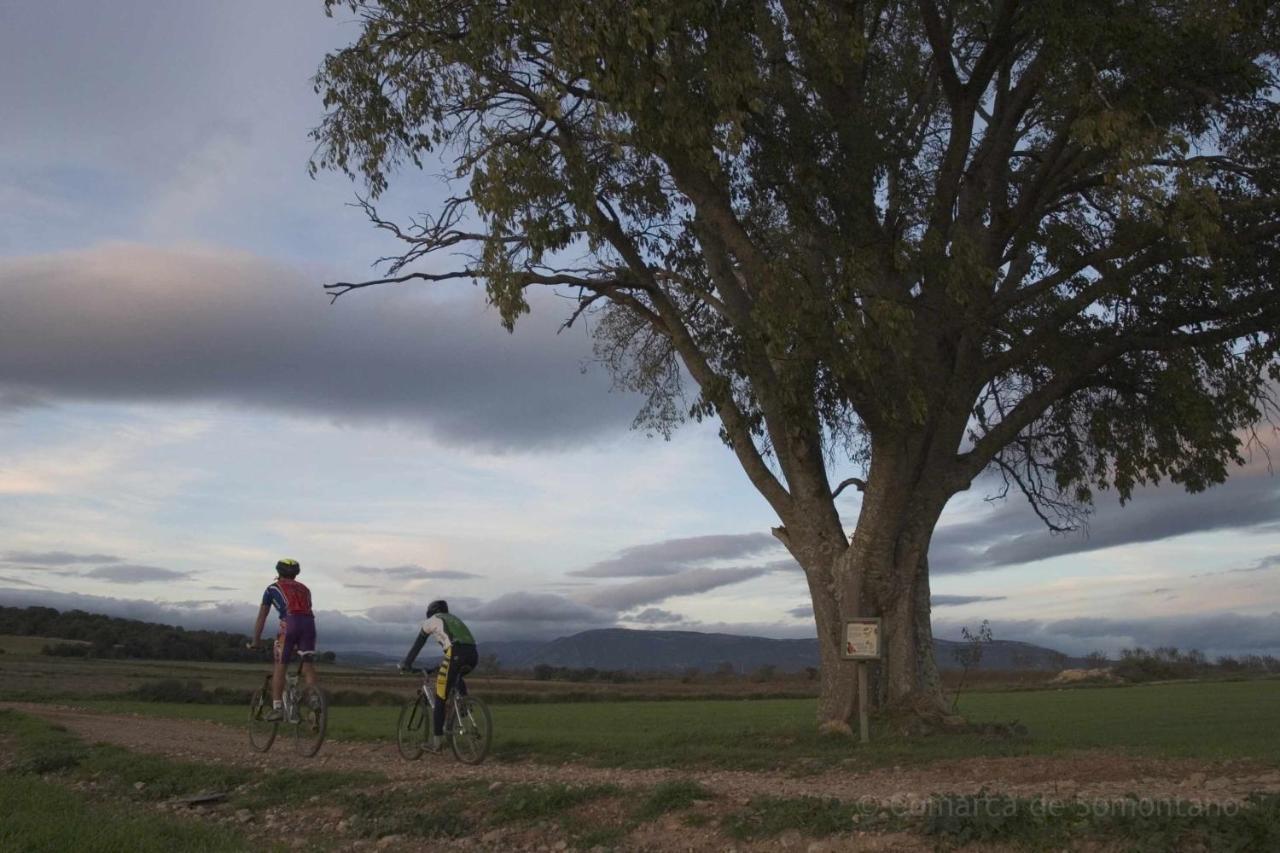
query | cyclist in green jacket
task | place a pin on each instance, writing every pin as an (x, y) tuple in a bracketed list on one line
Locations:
[(460, 657)]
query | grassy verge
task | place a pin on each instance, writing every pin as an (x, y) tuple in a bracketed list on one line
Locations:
[(41, 815), (44, 816)]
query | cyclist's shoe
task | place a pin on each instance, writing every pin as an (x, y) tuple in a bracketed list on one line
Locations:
[(275, 715), (435, 743)]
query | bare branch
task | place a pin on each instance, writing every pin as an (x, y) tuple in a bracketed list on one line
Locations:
[(857, 482)]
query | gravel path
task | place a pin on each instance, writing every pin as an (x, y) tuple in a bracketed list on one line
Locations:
[(1095, 775)]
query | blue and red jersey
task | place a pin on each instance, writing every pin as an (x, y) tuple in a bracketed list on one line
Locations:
[(289, 598)]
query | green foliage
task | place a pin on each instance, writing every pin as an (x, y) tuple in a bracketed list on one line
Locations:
[(1057, 218)]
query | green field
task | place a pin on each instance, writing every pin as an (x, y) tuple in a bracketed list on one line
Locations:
[(1219, 720)]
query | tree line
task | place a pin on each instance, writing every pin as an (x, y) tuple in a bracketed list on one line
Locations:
[(100, 636)]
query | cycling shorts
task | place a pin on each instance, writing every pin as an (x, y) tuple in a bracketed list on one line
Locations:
[(296, 632)]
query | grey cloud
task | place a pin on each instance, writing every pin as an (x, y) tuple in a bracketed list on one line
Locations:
[(537, 607), (1216, 633), (19, 400), (411, 572), (1266, 564), (672, 556), (956, 600), (1010, 534), (513, 615), (777, 630), (55, 558), (1208, 632), (19, 582), (802, 612), (396, 613), (132, 323), (653, 590), (652, 616), (128, 573)]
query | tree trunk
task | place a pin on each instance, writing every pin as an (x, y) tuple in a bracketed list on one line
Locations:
[(883, 570), (838, 696), (910, 671)]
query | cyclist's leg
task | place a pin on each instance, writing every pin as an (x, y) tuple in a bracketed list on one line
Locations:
[(465, 661), (277, 670), (302, 631), (308, 670), (446, 677)]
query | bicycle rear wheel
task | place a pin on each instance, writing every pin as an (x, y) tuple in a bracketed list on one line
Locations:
[(262, 732), (313, 721), (413, 727), (469, 729)]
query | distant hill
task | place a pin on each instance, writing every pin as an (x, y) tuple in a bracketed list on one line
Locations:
[(77, 633), (625, 649)]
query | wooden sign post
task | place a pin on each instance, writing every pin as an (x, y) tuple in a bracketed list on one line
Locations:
[(861, 644)]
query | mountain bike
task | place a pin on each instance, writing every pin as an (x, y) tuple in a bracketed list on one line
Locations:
[(468, 725), (306, 709)]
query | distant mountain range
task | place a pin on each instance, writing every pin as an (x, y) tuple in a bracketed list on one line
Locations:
[(653, 651)]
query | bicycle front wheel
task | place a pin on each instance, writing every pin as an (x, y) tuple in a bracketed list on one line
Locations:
[(262, 732), (413, 727), (313, 721), (470, 729)]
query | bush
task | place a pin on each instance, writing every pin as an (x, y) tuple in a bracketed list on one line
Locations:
[(1163, 664), (67, 650), (171, 690)]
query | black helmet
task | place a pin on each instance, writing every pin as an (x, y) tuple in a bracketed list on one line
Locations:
[(437, 606), (287, 568)]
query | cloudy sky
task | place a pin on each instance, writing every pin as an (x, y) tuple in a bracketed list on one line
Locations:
[(180, 405)]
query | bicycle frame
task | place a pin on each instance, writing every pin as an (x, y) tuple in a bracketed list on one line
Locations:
[(465, 717), (290, 694), (428, 689)]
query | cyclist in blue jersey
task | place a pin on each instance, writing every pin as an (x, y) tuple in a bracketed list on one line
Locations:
[(292, 602), (460, 657)]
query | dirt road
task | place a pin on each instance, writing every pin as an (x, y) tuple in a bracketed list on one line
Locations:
[(1095, 775)]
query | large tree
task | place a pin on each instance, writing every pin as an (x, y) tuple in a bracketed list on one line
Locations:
[(906, 241)]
